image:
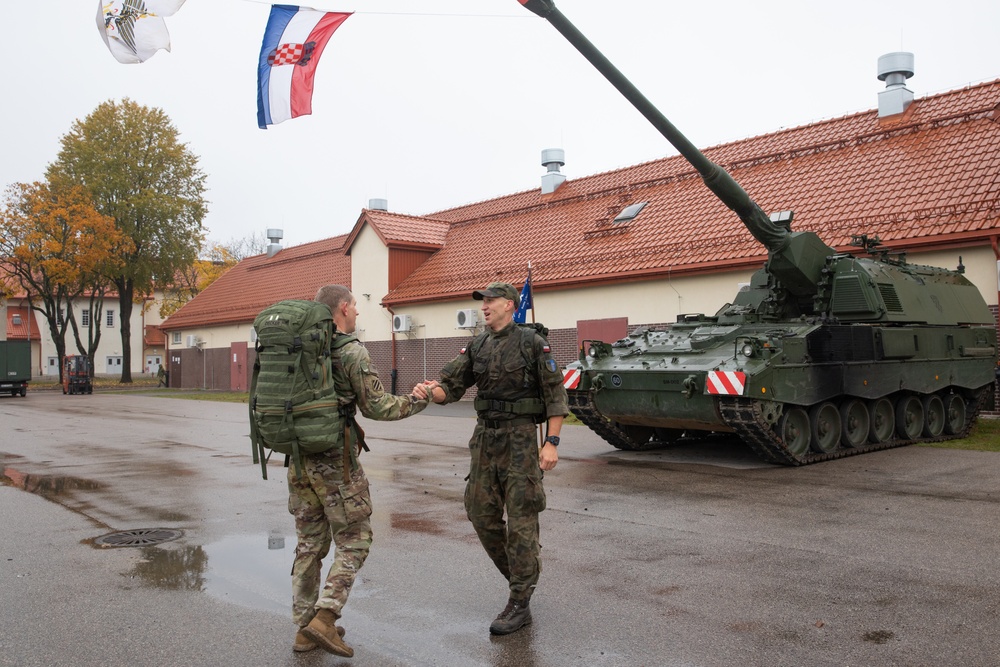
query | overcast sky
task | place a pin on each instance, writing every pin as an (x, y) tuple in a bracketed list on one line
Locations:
[(432, 104)]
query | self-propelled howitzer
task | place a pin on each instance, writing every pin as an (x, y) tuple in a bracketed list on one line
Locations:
[(824, 354)]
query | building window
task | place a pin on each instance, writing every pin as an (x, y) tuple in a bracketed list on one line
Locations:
[(176, 340), (85, 318), (110, 319)]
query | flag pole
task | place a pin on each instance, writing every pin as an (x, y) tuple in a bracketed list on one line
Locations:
[(531, 293)]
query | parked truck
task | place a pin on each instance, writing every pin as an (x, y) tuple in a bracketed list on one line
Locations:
[(15, 366)]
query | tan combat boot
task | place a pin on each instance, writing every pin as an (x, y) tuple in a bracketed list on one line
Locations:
[(303, 643), (324, 631)]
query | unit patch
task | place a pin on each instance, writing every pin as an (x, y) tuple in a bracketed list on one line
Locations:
[(551, 365)]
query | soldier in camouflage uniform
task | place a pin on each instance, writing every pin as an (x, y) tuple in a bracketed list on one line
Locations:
[(519, 386), (328, 510)]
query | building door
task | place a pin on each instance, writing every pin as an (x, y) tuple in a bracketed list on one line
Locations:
[(153, 362), (238, 367), (113, 365)]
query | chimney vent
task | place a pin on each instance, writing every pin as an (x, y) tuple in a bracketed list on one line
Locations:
[(552, 159), (378, 204), (894, 69), (274, 236)]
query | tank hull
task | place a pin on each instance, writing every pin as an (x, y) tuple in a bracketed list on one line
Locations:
[(699, 378)]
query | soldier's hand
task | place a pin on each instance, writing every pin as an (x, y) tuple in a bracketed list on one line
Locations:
[(422, 390), (548, 456)]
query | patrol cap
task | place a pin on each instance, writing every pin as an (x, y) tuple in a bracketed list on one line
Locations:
[(505, 290)]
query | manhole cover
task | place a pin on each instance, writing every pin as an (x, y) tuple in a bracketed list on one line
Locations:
[(140, 537)]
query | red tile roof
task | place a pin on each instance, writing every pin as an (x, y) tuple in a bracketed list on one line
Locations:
[(401, 231), (153, 336), (21, 323), (257, 282), (929, 172)]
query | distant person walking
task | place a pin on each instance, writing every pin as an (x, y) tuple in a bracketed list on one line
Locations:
[(519, 386)]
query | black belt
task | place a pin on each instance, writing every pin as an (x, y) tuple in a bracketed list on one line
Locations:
[(506, 423)]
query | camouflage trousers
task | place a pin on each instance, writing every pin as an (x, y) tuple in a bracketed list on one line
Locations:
[(326, 511), (505, 476)]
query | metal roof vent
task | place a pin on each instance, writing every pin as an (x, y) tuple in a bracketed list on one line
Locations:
[(274, 236), (894, 69), (378, 204), (552, 159)]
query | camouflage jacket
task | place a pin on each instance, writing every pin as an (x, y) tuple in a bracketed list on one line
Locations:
[(507, 365), (364, 389)]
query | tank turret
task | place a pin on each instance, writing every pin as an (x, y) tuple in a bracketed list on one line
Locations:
[(825, 354)]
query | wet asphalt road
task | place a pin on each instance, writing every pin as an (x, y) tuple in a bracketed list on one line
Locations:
[(671, 558)]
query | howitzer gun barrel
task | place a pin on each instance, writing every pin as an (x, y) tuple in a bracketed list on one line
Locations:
[(717, 179)]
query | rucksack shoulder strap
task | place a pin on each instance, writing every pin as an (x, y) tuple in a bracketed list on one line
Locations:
[(342, 339)]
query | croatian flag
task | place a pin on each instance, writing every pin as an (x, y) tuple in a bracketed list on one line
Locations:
[(293, 42)]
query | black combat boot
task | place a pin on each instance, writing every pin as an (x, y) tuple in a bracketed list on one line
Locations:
[(515, 616)]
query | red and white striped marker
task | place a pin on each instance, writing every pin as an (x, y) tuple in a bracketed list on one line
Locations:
[(571, 378), (729, 383)]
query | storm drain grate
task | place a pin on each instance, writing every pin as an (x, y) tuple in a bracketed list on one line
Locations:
[(140, 537)]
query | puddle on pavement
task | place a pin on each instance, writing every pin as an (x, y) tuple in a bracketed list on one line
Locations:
[(51, 487), (178, 569), (248, 570), (416, 523)]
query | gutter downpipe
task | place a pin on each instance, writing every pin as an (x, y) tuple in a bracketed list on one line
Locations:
[(394, 373), (995, 244)]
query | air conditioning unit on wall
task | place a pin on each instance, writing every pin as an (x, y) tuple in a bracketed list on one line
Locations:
[(466, 318), (401, 323), (194, 341)]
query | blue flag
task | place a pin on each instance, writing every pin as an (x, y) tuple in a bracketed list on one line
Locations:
[(520, 316)]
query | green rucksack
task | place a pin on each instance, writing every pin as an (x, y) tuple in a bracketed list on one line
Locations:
[(295, 405)]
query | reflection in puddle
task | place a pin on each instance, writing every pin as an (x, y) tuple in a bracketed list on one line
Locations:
[(172, 569), (50, 487), (248, 570), (252, 570)]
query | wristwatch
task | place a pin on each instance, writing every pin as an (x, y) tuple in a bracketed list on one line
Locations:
[(554, 439)]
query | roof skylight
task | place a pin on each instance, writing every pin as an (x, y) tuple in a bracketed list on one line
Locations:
[(630, 212)]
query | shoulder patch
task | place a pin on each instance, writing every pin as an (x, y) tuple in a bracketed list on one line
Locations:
[(551, 365), (462, 351), (546, 349)]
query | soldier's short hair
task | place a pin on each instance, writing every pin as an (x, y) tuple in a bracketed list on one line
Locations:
[(333, 295)]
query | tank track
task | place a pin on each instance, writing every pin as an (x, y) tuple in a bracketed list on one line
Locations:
[(746, 417)]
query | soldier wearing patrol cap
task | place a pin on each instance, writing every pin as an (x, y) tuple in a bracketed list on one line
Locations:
[(519, 386)]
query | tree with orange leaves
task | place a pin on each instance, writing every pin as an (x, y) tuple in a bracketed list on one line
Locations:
[(57, 247)]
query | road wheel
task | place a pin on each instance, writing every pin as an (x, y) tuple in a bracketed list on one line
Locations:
[(795, 431), (826, 427), (909, 417), (954, 414), (883, 421), (24, 392), (855, 423), (934, 416)]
